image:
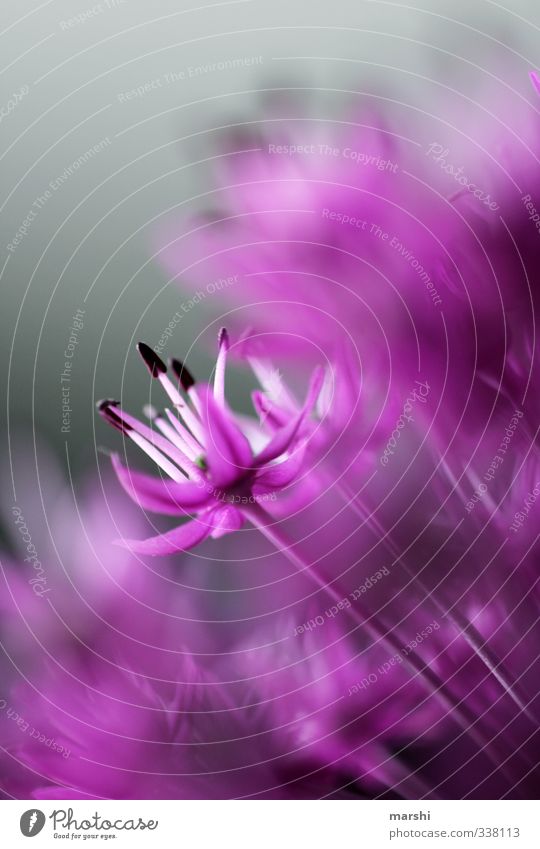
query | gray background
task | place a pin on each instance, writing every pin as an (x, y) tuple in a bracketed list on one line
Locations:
[(90, 245)]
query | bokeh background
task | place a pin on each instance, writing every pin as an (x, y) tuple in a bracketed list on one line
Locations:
[(114, 119)]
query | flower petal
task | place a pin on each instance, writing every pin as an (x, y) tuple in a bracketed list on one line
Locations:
[(283, 438), (160, 495), (226, 520), (270, 414), (228, 453), (279, 475), (182, 538)]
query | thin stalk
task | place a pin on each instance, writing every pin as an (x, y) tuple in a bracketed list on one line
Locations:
[(460, 622)]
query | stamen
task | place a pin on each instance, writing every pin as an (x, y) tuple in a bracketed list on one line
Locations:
[(183, 375), (105, 410), (178, 436), (151, 437), (191, 444), (194, 398), (223, 337), (171, 390), (169, 432), (219, 377), (182, 437), (181, 405), (154, 364), (158, 458), (118, 420)]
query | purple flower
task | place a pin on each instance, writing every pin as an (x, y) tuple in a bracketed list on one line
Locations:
[(315, 245), (218, 466), (320, 225)]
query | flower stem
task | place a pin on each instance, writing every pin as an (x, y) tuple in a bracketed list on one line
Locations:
[(462, 625)]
